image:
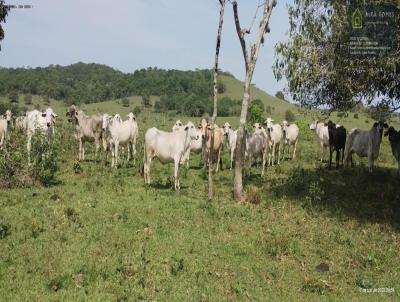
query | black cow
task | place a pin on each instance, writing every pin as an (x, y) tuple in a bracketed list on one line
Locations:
[(394, 139), (337, 142)]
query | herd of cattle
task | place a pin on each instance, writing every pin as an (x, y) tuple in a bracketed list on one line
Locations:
[(265, 142)]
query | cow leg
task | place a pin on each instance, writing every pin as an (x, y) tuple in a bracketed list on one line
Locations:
[(370, 162), (29, 149), (232, 152), (279, 153), (112, 147), (116, 154), (273, 155), (263, 164), (330, 156), (337, 158), (97, 146), (176, 174), (294, 150), (83, 151), (80, 150)]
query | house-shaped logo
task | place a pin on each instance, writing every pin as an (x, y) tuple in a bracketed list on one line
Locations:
[(357, 19)]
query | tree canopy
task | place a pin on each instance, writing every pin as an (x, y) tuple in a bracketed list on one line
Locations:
[(315, 64)]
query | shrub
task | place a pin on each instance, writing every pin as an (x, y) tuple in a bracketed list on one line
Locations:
[(355, 115), (28, 99), (255, 113), (125, 102), (253, 195), (136, 111), (289, 116), (44, 156)]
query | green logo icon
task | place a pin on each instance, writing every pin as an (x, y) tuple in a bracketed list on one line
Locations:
[(357, 19)]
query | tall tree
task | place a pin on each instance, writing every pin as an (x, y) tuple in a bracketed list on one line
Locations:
[(215, 95), (250, 60), (3, 14), (317, 64)]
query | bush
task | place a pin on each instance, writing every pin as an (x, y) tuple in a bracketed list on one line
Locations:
[(44, 156), (289, 116), (255, 114), (28, 99), (355, 115), (136, 111), (125, 102), (253, 195)]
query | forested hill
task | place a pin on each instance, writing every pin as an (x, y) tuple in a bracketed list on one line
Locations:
[(88, 83)]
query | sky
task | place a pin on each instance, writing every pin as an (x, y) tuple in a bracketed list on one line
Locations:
[(134, 34)]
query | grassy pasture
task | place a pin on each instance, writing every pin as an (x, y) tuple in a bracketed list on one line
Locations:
[(305, 234)]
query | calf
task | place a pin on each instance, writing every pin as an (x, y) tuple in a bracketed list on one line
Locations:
[(232, 138), (87, 129), (275, 136), (364, 143), (167, 147), (337, 142), (322, 134), (394, 139), (290, 137)]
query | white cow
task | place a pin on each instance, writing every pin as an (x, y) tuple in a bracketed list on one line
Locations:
[(290, 137), (5, 123), (167, 147), (87, 129), (232, 138), (322, 134), (364, 143), (39, 121), (118, 132), (275, 137), (257, 145)]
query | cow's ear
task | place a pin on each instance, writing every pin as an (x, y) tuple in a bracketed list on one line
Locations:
[(230, 127), (43, 114), (375, 124), (186, 128)]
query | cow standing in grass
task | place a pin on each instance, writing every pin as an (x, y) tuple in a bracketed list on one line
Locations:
[(87, 129), (322, 134), (290, 138), (5, 123), (337, 142), (167, 147), (365, 143), (232, 137), (118, 132), (275, 137), (394, 139)]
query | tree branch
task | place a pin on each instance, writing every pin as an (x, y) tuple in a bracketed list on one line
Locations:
[(241, 32)]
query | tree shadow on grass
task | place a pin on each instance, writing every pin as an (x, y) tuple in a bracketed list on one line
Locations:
[(368, 197)]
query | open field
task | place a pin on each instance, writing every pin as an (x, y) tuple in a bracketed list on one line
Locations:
[(100, 235)]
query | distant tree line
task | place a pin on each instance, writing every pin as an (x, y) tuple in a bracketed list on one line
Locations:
[(89, 83)]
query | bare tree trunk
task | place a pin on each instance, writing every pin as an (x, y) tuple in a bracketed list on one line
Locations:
[(214, 116), (250, 63)]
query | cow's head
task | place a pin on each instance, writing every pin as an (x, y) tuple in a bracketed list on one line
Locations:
[(71, 113), (106, 120), (313, 125), (178, 126), (50, 117), (226, 128), (8, 116), (269, 123), (393, 135), (379, 126), (192, 131), (257, 128), (131, 116)]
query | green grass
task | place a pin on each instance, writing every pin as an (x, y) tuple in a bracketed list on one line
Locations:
[(100, 235)]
